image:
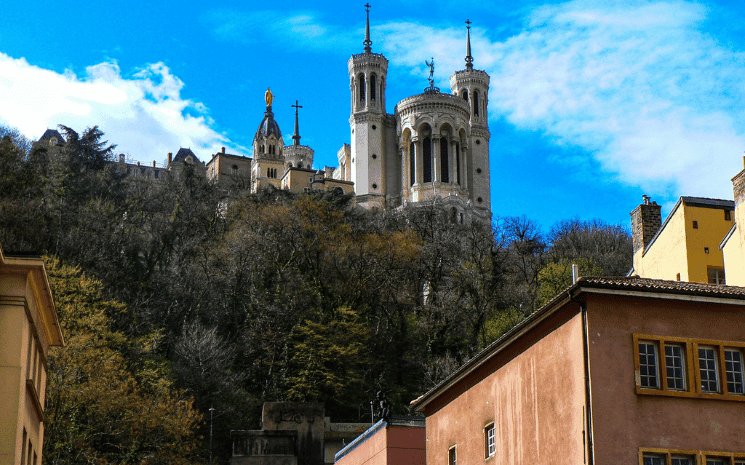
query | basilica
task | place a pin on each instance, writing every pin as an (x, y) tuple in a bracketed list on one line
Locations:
[(433, 147)]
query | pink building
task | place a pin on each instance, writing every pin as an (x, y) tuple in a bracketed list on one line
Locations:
[(612, 370), (399, 441)]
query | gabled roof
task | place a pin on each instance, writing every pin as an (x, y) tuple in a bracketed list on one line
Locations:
[(629, 286), (50, 133), (182, 154), (701, 202)]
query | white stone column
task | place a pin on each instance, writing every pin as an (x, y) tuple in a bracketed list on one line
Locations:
[(417, 160), (436, 168)]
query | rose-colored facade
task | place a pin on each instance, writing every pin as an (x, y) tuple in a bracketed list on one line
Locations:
[(567, 385), (396, 442)]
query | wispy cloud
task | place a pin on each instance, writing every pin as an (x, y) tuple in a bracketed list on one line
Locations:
[(638, 87), (302, 30), (144, 114)]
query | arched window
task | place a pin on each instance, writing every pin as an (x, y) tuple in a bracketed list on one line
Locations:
[(373, 86), (361, 79), (427, 159), (465, 94), (444, 162), (412, 164), (457, 162), (476, 103)]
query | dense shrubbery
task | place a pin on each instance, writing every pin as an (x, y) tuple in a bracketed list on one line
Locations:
[(248, 298)]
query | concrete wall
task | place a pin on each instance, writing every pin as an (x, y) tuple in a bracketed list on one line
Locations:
[(623, 420), (533, 392)]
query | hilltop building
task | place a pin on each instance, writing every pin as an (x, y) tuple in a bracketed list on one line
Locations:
[(612, 370), (433, 145), (28, 327)]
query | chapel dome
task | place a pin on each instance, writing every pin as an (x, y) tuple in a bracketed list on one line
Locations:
[(269, 126)]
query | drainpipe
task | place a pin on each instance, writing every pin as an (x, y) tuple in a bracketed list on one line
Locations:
[(588, 386)]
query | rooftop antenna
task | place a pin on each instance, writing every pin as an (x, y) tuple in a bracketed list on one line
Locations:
[(367, 41)]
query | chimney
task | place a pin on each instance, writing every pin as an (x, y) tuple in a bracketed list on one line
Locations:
[(121, 158), (154, 164), (170, 157), (646, 220), (223, 150), (138, 163)]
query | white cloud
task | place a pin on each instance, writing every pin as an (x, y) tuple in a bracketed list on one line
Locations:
[(639, 86), (145, 115)]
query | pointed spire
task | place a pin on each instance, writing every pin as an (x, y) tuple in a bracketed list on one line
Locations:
[(367, 41), (296, 136), (469, 58)]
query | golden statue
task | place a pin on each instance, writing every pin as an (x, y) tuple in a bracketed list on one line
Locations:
[(268, 96)]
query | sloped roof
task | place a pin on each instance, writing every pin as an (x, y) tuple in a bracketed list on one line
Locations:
[(183, 153), (50, 133), (632, 286)]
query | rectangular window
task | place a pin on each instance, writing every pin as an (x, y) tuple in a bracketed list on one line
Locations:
[(727, 215), (733, 369), (648, 365), (452, 458), (653, 459), (716, 461), (687, 367), (677, 460), (23, 447), (707, 361), (715, 275), (490, 445), (695, 225), (675, 367)]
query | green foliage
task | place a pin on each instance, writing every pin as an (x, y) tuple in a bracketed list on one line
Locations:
[(98, 409)]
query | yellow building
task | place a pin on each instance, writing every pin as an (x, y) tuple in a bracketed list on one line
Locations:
[(686, 247), (733, 245), (28, 327)]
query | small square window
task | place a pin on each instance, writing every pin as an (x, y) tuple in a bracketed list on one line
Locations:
[(707, 362), (727, 215), (490, 446), (695, 225), (452, 456), (715, 275)]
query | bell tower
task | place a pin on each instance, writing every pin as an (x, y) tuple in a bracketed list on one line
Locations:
[(367, 82), (473, 86)]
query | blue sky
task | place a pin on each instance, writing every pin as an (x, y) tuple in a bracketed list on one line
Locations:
[(591, 105)]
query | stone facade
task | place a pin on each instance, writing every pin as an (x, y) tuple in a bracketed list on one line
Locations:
[(646, 220)]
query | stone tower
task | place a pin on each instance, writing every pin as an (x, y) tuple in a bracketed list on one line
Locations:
[(296, 155), (268, 160), (473, 86), (368, 122)]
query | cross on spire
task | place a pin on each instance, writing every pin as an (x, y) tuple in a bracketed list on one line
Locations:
[(296, 136), (367, 43), (469, 58)]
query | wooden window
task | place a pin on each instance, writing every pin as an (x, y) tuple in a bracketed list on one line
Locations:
[(702, 368), (678, 460), (655, 456), (648, 365), (490, 444), (707, 364), (715, 275), (675, 366), (653, 459), (733, 369)]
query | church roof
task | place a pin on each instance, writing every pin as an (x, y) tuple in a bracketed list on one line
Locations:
[(268, 125), (50, 133), (183, 153)]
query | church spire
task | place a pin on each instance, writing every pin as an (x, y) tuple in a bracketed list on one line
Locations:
[(296, 136), (367, 41), (469, 58)]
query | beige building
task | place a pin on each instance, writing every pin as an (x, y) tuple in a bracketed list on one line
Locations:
[(733, 245), (28, 327)]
